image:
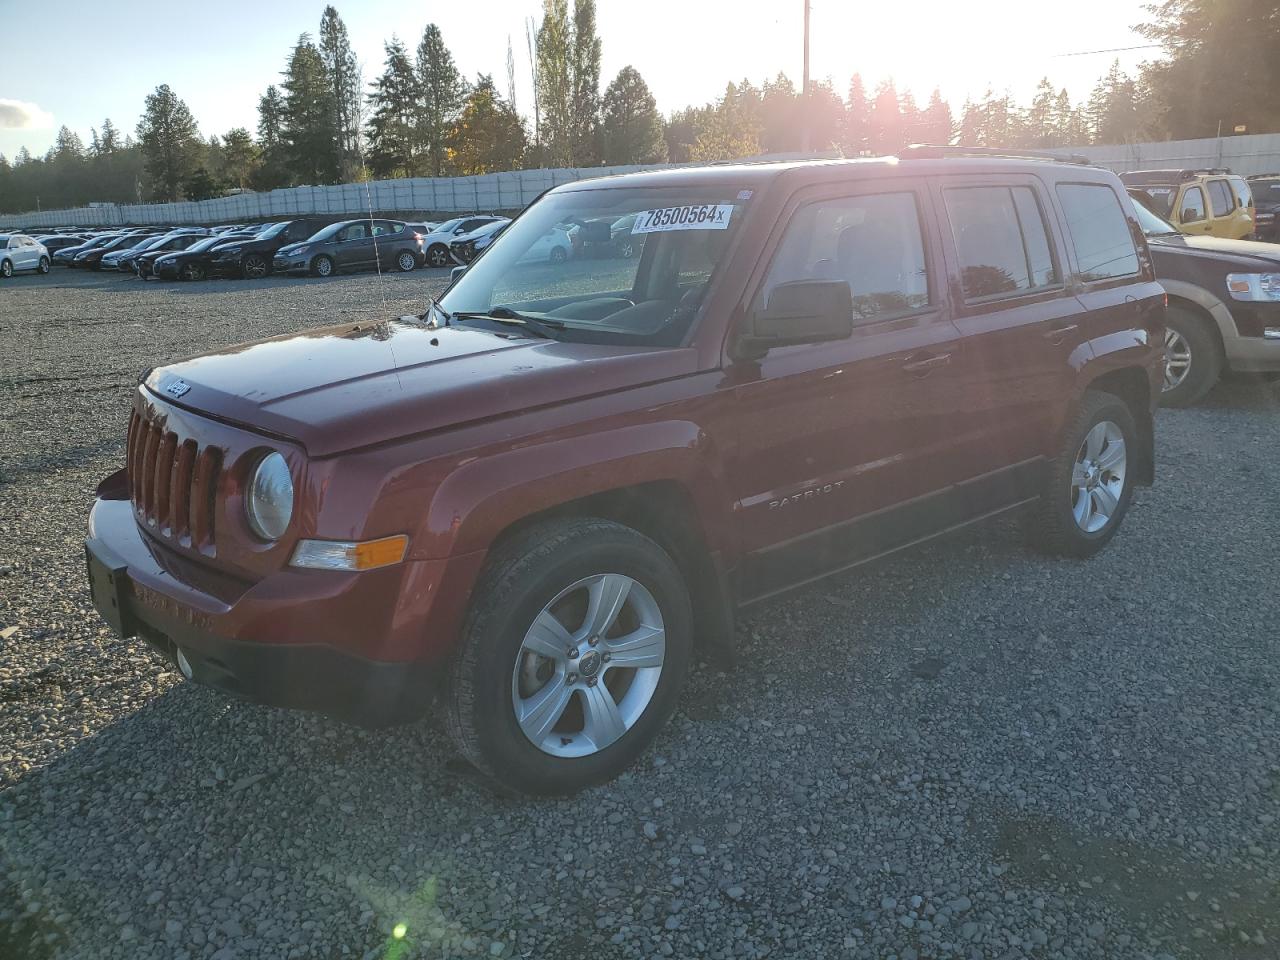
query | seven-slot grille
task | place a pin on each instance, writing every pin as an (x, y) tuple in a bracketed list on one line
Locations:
[(172, 482)]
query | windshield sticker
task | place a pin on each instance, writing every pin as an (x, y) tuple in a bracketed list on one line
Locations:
[(698, 216)]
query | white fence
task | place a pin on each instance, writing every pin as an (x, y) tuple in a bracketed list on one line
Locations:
[(490, 192), (512, 191)]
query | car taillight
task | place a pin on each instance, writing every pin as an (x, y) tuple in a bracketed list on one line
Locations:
[(419, 237)]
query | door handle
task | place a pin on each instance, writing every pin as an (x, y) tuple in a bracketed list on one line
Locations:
[(920, 364), (1059, 333)]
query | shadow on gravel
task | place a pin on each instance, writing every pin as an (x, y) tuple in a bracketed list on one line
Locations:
[(1204, 906)]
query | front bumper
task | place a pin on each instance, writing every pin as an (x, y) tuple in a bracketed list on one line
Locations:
[(290, 264), (269, 643)]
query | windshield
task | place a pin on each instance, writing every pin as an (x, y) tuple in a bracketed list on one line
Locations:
[(1152, 225), (205, 244), (328, 232), (1162, 196), (604, 285), (271, 229)]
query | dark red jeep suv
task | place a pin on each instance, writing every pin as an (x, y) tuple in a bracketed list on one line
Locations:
[(537, 501)]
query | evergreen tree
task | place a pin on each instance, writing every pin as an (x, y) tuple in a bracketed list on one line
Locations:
[(489, 135), (584, 107), (1041, 128), (442, 90), (826, 116), (887, 133), (937, 125), (555, 82), (631, 130), (343, 73), (308, 130), (170, 142), (682, 131), (272, 171), (392, 129), (780, 116), (857, 119), (202, 185), (110, 138), (732, 131), (240, 157), (67, 145)]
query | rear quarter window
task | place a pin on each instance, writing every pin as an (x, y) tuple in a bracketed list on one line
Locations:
[(1099, 231), (1221, 202)]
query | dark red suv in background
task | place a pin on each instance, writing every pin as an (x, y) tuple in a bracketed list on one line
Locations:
[(536, 502)]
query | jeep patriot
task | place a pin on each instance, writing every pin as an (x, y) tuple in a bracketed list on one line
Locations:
[(535, 503)]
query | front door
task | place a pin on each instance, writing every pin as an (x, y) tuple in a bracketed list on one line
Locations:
[(840, 441), (354, 247)]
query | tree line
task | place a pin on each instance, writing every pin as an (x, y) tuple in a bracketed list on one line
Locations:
[(421, 116)]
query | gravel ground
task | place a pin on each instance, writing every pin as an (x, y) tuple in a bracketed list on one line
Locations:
[(968, 752)]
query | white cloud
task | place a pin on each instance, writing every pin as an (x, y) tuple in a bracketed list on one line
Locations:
[(19, 115)]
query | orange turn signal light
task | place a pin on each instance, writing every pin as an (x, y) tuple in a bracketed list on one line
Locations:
[(350, 555)]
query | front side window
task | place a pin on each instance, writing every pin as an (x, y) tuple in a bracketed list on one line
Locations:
[(561, 262), (1219, 198), (1099, 231), (871, 242), (1192, 205), (1001, 240)]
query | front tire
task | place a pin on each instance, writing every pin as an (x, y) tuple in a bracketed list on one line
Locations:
[(192, 271), (1089, 484), (1193, 359), (6, 269), (407, 262), (438, 255), (44, 265), (558, 255), (572, 657), (322, 266)]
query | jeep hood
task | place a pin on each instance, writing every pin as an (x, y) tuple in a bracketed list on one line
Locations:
[(1267, 254), (339, 388)]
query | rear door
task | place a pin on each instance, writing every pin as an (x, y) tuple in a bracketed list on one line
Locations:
[(384, 246), (1020, 323), (843, 442)]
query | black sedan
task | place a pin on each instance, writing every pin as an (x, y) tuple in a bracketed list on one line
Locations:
[(92, 258), (193, 262), (158, 247), (252, 258), (61, 241), (66, 256), (354, 245)]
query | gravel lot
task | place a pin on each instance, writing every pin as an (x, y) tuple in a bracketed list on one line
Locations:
[(969, 752)]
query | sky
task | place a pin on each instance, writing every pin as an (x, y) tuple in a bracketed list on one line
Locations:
[(104, 60)]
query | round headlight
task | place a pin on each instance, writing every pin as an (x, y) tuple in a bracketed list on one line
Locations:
[(269, 505)]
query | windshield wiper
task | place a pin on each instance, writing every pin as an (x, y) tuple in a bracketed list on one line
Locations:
[(536, 325)]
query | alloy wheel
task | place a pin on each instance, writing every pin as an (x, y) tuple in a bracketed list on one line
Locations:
[(1097, 479), (6, 269), (438, 256), (407, 261), (324, 267), (255, 268), (1177, 358), (588, 666)]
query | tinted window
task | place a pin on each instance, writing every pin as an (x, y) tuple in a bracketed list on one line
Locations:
[(871, 242), (383, 227), (1192, 205), (1219, 198), (1241, 189), (1001, 239), (1099, 231)]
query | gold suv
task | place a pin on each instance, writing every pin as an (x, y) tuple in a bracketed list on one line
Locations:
[(1199, 202)]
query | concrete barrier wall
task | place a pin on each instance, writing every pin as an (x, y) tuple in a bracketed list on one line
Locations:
[(514, 190)]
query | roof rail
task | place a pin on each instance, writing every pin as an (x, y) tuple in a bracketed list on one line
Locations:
[(929, 151), (1263, 176)]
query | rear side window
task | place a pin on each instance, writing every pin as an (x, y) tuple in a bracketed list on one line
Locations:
[(1244, 198), (1099, 231), (872, 242), (1001, 238), (1219, 198)]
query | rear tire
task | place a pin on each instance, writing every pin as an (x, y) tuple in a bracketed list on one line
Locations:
[(44, 265), (532, 648), (1089, 484), (322, 266), (406, 261), (6, 269), (558, 255), (1193, 358), (255, 267)]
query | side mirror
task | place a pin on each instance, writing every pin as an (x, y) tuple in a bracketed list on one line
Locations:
[(456, 272), (802, 311)]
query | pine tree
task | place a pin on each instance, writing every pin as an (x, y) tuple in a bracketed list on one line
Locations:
[(392, 129), (272, 171), (308, 130), (1040, 127), (780, 116), (240, 157), (938, 127), (110, 139), (555, 82), (584, 107), (631, 130), (67, 145), (343, 73), (170, 142), (887, 134), (489, 135), (857, 119), (732, 130), (442, 90)]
